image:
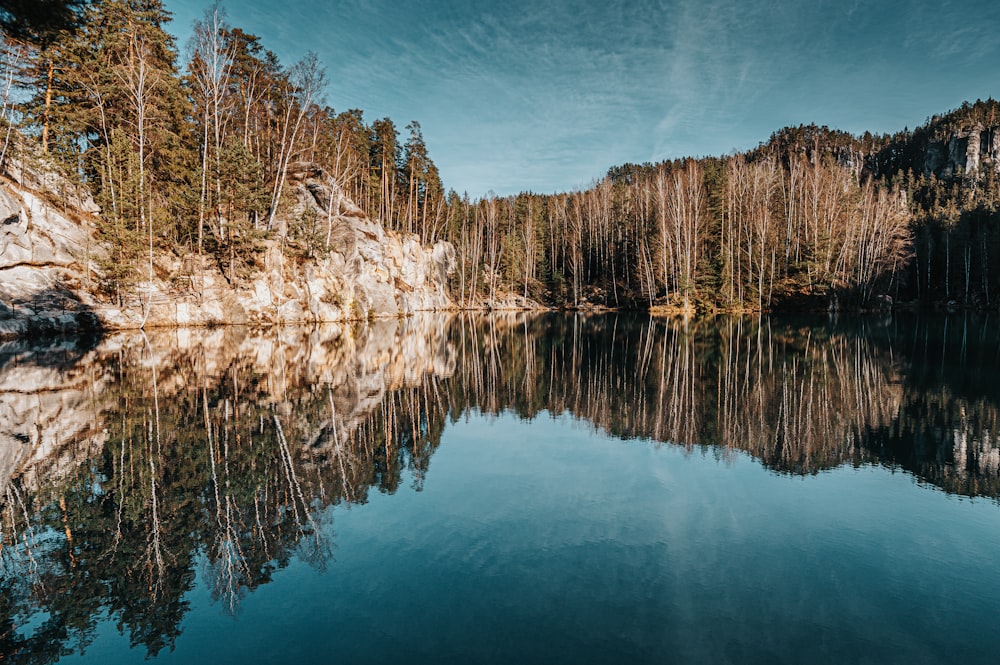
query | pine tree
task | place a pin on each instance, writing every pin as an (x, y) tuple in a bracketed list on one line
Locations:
[(121, 98), (384, 159)]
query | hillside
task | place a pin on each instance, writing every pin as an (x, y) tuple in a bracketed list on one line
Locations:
[(813, 218)]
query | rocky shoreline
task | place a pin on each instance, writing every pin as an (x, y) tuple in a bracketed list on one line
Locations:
[(49, 274)]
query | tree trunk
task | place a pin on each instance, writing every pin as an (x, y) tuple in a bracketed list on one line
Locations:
[(49, 78)]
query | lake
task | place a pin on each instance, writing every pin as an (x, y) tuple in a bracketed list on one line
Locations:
[(515, 488)]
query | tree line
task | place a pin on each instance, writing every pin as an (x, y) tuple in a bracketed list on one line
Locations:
[(737, 233)]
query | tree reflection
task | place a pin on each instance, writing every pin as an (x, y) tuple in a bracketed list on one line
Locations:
[(801, 398), (146, 462)]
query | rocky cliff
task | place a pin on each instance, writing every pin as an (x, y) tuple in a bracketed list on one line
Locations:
[(968, 151), (49, 276)]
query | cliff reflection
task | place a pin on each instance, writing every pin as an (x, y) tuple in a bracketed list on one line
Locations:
[(131, 470), (157, 458)]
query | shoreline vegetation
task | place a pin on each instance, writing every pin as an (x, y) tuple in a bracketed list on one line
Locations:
[(217, 181)]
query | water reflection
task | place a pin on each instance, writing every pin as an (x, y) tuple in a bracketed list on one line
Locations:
[(799, 397), (130, 467)]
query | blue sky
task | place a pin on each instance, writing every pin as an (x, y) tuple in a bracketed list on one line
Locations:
[(546, 96)]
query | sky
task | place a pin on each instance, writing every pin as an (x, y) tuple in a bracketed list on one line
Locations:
[(546, 96)]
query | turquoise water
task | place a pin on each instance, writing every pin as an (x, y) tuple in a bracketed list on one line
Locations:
[(491, 531)]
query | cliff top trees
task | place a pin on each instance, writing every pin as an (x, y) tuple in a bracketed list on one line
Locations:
[(41, 25), (211, 66), (384, 159), (107, 105), (302, 88)]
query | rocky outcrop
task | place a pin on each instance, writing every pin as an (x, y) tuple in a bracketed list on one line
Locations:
[(45, 267), (967, 152), (367, 271), (28, 171), (49, 274)]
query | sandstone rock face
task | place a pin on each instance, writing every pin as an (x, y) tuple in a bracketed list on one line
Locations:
[(49, 278), (934, 157), (37, 178), (967, 152), (972, 150), (367, 272), (44, 268)]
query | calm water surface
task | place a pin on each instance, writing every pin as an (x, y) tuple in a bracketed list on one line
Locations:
[(522, 489)]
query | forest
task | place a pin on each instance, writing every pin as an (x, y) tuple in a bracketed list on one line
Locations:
[(186, 151)]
